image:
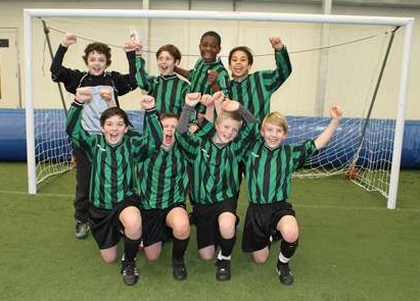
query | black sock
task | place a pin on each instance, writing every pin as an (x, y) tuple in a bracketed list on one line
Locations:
[(178, 247), (130, 248), (287, 249), (226, 245)]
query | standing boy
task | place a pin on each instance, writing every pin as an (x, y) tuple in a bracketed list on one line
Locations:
[(269, 166), (107, 87), (209, 74), (168, 88), (254, 90)]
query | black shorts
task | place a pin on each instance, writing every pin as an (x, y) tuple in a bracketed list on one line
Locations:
[(260, 222), (154, 226), (206, 221), (105, 224)]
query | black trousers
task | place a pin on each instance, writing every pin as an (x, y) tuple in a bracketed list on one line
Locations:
[(81, 202)]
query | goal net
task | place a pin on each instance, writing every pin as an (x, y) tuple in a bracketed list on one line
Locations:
[(355, 64)]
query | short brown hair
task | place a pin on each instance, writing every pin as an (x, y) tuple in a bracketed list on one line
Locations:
[(99, 48), (114, 111), (171, 49)]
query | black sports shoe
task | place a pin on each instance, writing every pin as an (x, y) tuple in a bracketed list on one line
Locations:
[(284, 273), (82, 229), (179, 270), (222, 270), (129, 272)]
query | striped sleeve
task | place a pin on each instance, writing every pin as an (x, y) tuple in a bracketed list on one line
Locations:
[(143, 146), (302, 152), (189, 145), (274, 79), (143, 79), (74, 128)]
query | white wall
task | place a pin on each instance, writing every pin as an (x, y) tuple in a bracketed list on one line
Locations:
[(297, 95)]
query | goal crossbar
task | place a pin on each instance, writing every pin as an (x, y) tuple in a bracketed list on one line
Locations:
[(407, 23)]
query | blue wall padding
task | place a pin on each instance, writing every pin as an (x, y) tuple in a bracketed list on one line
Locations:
[(13, 137), (411, 145)]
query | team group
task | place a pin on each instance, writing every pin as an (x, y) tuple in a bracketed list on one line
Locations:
[(199, 138)]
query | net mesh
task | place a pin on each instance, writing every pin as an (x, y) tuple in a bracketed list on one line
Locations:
[(343, 70)]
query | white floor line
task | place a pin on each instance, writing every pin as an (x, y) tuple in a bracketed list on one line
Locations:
[(38, 194)]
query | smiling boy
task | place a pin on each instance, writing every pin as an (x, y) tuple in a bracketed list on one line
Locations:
[(114, 207), (215, 178), (106, 87), (168, 89), (269, 165), (254, 90), (209, 74)]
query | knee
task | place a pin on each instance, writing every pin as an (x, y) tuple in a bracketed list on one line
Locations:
[(207, 253), (206, 257), (259, 259), (132, 229), (182, 230), (108, 259), (227, 229), (152, 257), (290, 234)]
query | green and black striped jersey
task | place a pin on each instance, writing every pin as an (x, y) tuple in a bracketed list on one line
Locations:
[(112, 167), (199, 83), (164, 179), (164, 175), (254, 92), (214, 167), (169, 91), (269, 172)]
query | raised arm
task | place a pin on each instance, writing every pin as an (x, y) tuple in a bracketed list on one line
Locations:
[(208, 101), (336, 116), (191, 100), (68, 39), (69, 77), (143, 146), (234, 106), (130, 48), (142, 77), (283, 65), (73, 124)]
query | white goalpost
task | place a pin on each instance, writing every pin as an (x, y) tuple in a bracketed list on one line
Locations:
[(368, 135)]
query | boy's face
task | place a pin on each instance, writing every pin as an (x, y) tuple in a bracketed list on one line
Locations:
[(114, 130), (209, 49), (166, 63), (96, 63), (226, 130), (169, 125), (239, 64), (273, 135)]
